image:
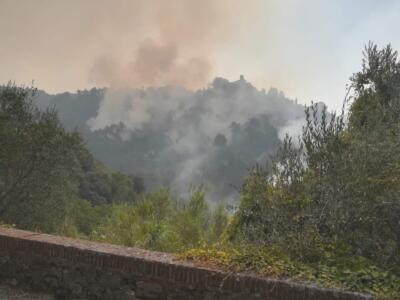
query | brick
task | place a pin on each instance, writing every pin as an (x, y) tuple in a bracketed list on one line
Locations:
[(85, 269)]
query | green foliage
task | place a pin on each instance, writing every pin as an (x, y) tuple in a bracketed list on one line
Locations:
[(83, 219), (100, 185), (142, 224), (331, 201), (158, 222), (355, 274), (44, 170), (37, 162), (339, 188)]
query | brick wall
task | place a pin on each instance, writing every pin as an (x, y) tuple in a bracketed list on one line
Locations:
[(77, 269)]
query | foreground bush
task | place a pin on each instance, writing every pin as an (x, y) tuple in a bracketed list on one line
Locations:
[(156, 222), (337, 189), (353, 274)]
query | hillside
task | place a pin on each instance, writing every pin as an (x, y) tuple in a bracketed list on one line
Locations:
[(174, 137)]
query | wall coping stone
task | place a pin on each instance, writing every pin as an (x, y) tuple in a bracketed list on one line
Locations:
[(160, 266)]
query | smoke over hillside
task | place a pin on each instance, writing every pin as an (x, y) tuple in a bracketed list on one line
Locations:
[(157, 118), (174, 137)]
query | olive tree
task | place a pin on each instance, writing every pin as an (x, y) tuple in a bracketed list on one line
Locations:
[(36, 162)]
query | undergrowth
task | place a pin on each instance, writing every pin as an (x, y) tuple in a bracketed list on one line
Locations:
[(356, 274)]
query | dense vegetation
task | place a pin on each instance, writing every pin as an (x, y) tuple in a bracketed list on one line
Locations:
[(173, 137), (339, 189), (326, 209), (159, 222), (333, 197), (44, 169)]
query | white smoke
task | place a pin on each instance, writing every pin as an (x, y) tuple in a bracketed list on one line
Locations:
[(192, 120)]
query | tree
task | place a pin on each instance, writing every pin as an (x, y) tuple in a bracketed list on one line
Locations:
[(340, 188), (37, 162)]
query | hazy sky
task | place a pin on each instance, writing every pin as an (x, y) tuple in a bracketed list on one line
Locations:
[(306, 48)]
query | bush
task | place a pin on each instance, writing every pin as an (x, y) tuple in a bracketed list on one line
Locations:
[(339, 189)]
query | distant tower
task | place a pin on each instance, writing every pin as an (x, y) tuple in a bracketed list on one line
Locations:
[(241, 78)]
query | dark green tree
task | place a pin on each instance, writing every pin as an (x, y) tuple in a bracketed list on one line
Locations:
[(338, 188), (37, 162)]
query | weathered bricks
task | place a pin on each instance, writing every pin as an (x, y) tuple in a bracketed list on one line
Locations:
[(87, 270)]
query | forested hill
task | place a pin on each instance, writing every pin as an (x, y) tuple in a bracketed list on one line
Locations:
[(177, 138)]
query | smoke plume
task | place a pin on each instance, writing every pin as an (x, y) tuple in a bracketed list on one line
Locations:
[(177, 51), (212, 136)]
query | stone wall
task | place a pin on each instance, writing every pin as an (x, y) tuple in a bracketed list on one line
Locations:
[(77, 269)]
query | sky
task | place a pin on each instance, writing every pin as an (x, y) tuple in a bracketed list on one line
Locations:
[(307, 49)]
